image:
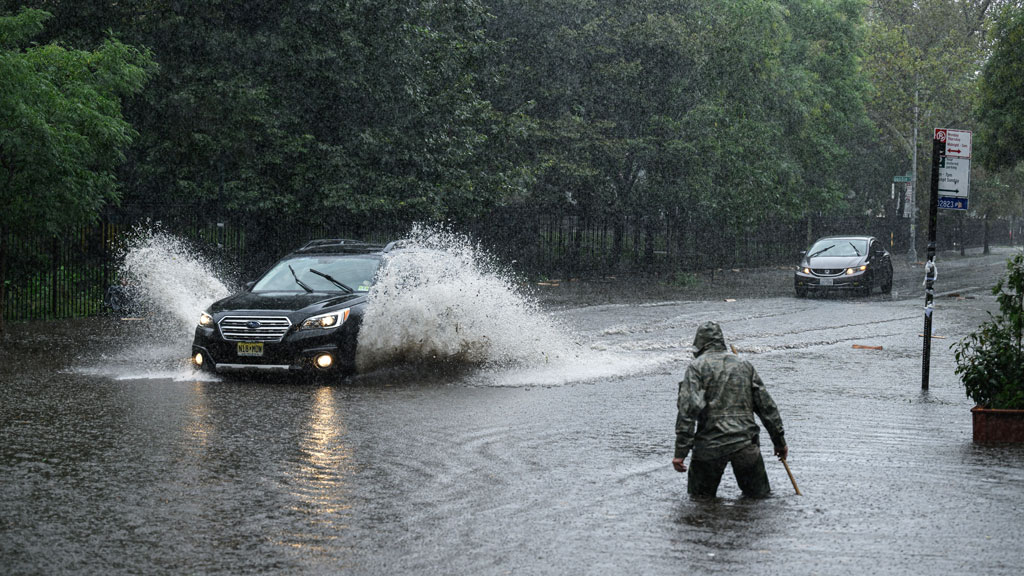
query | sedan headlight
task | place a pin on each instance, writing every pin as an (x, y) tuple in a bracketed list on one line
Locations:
[(856, 269), (325, 321), (205, 320)]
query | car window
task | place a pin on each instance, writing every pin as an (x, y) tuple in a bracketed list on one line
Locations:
[(838, 247), (356, 272)]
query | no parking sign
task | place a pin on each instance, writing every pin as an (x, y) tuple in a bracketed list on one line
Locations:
[(954, 168)]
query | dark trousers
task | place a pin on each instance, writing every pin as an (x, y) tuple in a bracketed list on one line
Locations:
[(704, 476)]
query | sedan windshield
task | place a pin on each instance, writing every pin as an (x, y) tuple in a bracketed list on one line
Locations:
[(310, 273), (838, 247)]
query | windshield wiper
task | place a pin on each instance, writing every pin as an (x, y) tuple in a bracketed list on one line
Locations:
[(855, 248), (822, 251), (299, 282), (337, 283)]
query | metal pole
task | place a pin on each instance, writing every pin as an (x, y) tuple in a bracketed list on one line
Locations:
[(913, 190), (938, 153)]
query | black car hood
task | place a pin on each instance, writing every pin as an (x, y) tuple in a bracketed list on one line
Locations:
[(834, 261), (284, 301)]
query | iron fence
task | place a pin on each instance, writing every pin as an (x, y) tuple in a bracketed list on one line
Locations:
[(68, 276)]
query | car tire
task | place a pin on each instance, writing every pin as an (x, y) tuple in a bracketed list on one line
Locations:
[(887, 284), (801, 292)]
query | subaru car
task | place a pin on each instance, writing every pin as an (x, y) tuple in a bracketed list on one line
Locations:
[(844, 263), (301, 316)]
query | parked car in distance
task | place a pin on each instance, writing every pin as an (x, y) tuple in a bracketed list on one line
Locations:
[(844, 263), (301, 316)]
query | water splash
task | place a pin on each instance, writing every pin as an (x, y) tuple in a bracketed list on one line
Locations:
[(170, 279), (169, 285), (440, 299)]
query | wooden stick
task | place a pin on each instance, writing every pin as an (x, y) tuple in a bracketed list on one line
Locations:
[(791, 479), (865, 347)]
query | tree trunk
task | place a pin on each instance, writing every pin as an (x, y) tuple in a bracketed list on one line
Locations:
[(576, 250), (618, 231), (985, 241), (648, 246), (3, 277)]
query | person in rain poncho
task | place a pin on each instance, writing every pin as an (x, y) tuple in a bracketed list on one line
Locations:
[(721, 392)]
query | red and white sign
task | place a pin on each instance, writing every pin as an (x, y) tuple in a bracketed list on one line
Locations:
[(958, 142)]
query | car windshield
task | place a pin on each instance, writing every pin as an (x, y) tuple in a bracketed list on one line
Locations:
[(356, 272), (838, 247)]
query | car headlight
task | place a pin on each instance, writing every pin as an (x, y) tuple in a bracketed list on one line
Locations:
[(325, 321), (856, 269), (805, 270), (205, 320)]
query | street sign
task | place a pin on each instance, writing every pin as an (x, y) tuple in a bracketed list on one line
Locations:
[(958, 142), (951, 203), (907, 178), (954, 177)]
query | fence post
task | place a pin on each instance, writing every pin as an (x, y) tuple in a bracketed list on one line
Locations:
[(53, 276)]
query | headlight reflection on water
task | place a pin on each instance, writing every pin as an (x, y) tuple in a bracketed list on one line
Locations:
[(319, 477)]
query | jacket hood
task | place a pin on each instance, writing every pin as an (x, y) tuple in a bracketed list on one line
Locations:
[(709, 337)]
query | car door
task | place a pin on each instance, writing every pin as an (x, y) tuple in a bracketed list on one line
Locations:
[(879, 261)]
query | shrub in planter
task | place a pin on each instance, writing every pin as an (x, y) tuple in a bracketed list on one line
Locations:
[(990, 361)]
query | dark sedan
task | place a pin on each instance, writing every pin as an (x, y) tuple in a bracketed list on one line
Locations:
[(844, 263)]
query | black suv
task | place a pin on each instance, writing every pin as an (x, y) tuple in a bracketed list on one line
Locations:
[(302, 315)]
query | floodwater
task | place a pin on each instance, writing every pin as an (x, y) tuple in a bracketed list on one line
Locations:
[(117, 459)]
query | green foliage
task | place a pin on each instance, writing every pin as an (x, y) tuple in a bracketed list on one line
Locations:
[(990, 361), (682, 280), (399, 110), (1001, 105), (64, 134), (922, 56)]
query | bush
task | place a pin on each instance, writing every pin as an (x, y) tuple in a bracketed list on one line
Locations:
[(990, 361)]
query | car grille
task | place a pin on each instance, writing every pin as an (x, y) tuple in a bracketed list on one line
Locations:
[(827, 271), (254, 328)]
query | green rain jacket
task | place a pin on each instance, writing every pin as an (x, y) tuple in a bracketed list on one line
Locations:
[(722, 392)]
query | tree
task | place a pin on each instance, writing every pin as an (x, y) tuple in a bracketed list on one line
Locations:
[(922, 58), (1001, 106), (63, 133)]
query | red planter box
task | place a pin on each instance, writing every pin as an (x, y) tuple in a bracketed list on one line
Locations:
[(997, 426)]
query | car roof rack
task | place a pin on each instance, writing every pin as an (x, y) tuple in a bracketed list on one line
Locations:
[(339, 245), (396, 244)]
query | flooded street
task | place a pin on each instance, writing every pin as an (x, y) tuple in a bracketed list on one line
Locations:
[(118, 459)]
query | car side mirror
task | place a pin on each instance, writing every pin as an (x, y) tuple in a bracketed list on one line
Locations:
[(803, 253), (249, 285)]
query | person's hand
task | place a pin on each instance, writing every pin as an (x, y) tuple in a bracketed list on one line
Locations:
[(678, 464), (782, 452)]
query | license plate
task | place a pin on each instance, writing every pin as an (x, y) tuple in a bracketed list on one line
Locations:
[(825, 281), (250, 348)]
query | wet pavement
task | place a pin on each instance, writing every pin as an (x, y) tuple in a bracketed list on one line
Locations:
[(546, 469)]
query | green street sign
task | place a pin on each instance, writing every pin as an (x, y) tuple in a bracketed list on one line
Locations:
[(902, 178)]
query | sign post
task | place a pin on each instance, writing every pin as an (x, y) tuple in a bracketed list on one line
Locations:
[(950, 189), (908, 196), (938, 155)]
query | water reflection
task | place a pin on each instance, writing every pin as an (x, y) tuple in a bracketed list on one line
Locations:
[(198, 427), (317, 479)]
